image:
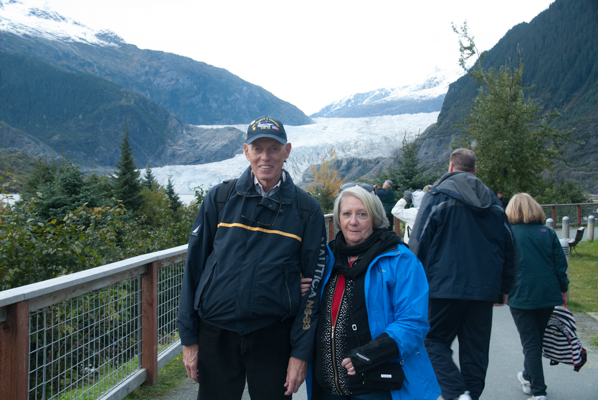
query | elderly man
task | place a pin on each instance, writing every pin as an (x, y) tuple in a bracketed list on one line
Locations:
[(241, 313), (464, 240)]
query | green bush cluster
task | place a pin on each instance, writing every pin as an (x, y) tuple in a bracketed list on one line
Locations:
[(67, 221)]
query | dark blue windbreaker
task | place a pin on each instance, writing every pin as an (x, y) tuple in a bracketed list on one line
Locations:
[(464, 240), (243, 269)]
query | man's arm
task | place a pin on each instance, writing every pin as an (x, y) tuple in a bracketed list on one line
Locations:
[(313, 262), (200, 246), (508, 272)]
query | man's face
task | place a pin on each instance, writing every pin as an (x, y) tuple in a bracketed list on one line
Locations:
[(499, 195), (266, 157)]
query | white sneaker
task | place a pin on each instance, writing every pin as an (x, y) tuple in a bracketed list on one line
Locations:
[(525, 384), (466, 396), (538, 398)]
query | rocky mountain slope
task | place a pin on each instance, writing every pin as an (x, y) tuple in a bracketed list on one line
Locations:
[(559, 49), (197, 93)]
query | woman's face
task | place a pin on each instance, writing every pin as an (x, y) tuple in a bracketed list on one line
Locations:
[(355, 223)]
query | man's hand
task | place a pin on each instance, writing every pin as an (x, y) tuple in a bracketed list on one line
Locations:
[(296, 374), (504, 301), (190, 360), (305, 285), (407, 196)]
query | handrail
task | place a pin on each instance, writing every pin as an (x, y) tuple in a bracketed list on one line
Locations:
[(53, 345)]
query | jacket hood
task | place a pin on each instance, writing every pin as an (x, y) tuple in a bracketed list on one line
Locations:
[(417, 196), (466, 188)]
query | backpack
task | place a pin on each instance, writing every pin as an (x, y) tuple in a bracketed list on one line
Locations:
[(561, 343), (224, 191)]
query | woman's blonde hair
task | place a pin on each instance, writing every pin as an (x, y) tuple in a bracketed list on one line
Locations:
[(523, 208), (371, 202)]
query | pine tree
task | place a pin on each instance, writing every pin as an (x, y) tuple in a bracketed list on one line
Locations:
[(512, 139), (126, 186), (173, 198), (326, 183), (408, 172), (149, 180)]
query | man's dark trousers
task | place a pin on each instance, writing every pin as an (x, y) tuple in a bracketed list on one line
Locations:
[(226, 359), (471, 322)]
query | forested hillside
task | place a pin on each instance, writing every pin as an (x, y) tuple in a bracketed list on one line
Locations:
[(48, 112), (559, 50)]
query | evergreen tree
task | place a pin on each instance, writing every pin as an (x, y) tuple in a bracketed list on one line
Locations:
[(512, 139), (173, 198), (149, 180), (326, 183), (408, 172), (127, 187)]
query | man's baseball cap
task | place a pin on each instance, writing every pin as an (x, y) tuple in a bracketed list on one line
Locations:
[(266, 127)]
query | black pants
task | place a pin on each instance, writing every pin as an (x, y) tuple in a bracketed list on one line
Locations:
[(226, 360), (531, 325), (471, 322)]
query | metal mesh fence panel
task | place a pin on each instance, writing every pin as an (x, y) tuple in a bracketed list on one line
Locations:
[(169, 290), (83, 347)]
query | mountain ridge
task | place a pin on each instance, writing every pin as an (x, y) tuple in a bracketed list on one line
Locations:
[(196, 92)]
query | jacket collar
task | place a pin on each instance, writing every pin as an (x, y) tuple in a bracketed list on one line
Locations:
[(246, 187)]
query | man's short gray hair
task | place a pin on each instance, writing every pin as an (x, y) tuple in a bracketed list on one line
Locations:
[(388, 183), (371, 202), (463, 160)]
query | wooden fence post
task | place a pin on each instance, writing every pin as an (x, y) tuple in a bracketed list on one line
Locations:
[(149, 323), (14, 352)]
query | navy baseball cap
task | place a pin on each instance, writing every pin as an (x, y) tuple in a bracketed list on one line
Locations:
[(266, 127)]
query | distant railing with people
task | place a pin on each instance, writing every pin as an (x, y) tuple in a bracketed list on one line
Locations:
[(101, 333)]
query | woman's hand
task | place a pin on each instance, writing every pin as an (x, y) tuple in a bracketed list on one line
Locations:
[(346, 363), (305, 285)]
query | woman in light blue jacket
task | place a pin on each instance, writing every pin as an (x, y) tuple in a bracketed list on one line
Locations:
[(374, 310)]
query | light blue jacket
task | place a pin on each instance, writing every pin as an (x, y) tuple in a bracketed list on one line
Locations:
[(396, 292)]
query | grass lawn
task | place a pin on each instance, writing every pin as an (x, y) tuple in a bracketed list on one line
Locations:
[(583, 278), (169, 377)]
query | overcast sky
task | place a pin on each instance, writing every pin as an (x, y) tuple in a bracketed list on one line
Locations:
[(309, 53)]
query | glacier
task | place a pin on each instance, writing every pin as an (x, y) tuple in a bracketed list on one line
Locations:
[(368, 137)]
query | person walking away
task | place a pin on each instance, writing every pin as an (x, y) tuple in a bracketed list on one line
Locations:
[(464, 241), (408, 215), (541, 284), (241, 314), (503, 200), (373, 313), (387, 196)]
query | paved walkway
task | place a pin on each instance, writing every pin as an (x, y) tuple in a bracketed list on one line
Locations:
[(506, 359)]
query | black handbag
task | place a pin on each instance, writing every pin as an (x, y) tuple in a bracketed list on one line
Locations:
[(387, 376)]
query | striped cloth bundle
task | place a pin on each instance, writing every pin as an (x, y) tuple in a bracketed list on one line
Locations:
[(561, 343)]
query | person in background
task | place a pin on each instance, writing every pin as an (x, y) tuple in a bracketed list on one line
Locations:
[(464, 240), (373, 313), (541, 284), (242, 318), (503, 200), (408, 215), (387, 196)]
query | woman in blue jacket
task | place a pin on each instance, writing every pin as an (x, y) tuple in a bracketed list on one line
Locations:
[(374, 310), (541, 284)]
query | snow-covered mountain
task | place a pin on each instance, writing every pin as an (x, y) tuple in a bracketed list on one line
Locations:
[(193, 91), (35, 18), (368, 138), (410, 99)]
